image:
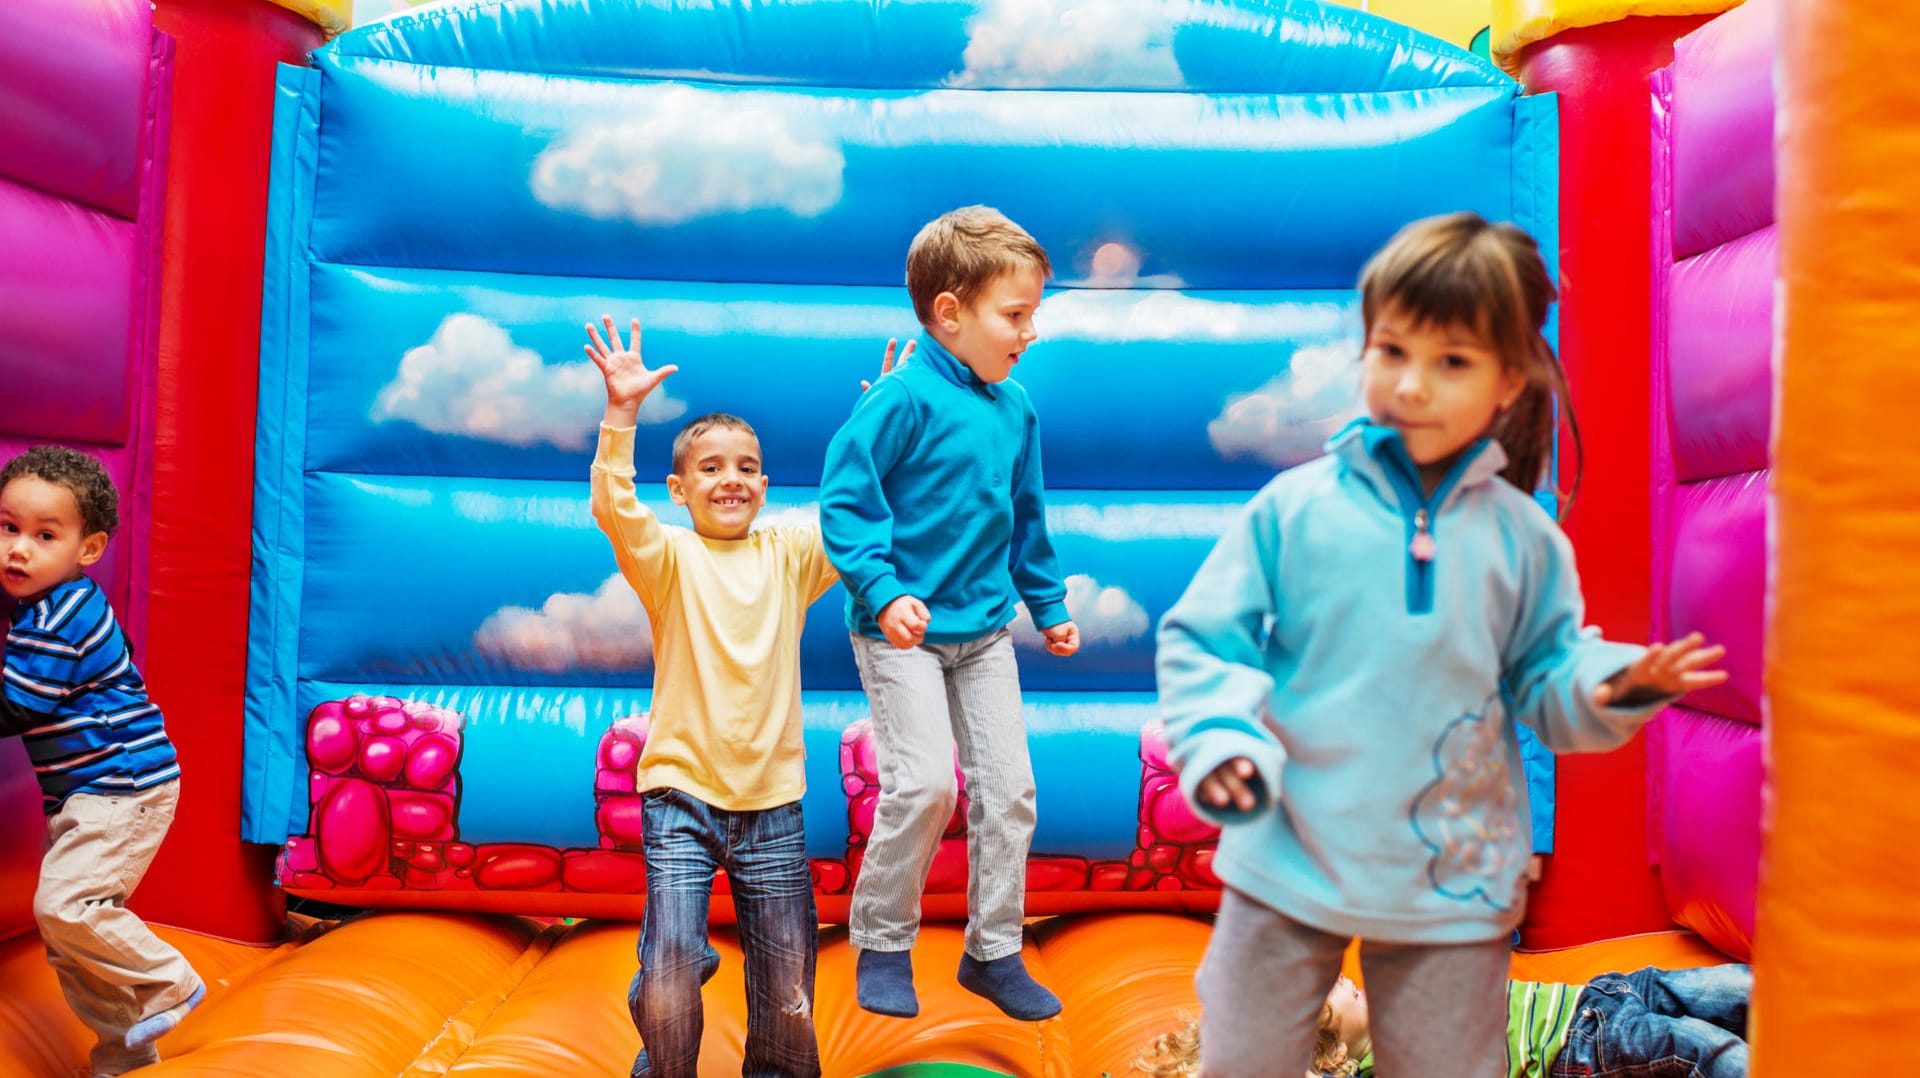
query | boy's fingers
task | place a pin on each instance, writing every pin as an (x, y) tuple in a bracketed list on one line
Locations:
[(633, 336), (593, 333), (911, 345), (613, 335)]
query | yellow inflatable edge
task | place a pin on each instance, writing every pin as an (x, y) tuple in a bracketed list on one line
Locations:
[(1519, 23), (333, 16)]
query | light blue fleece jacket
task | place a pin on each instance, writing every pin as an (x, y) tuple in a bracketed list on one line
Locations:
[(1375, 692), (932, 488)]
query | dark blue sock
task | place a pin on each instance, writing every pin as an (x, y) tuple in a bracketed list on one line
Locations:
[(883, 981), (1006, 982)]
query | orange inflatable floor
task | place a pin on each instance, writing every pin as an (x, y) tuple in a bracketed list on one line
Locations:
[(413, 995)]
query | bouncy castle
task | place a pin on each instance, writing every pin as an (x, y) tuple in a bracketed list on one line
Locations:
[(314, 293)]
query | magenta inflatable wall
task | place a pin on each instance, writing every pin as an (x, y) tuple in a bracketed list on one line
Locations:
[(82, 141), (1714, 252)]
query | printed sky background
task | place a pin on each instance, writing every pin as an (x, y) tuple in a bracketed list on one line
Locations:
[(1456, 21)]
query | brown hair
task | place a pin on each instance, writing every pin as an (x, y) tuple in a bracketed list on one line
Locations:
[(695, 428), (82, 475), (964, 250), (1462, 270)]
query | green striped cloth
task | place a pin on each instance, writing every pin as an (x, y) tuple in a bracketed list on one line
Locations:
[(1537, 1019)]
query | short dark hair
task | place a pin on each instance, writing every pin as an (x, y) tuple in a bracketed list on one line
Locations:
[(697, 427), (80, 473)]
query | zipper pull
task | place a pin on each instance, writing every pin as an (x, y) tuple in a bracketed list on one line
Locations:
[(1422, 546)]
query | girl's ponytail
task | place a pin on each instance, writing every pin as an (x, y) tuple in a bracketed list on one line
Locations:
[(1526, 430)]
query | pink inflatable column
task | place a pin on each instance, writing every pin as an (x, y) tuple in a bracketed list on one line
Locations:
[(1715, 253)]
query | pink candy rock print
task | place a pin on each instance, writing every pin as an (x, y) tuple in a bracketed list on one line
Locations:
[(1174, 848), (385, 796)]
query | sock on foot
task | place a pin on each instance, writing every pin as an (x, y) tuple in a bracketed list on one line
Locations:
[(155, 1026), (1007, 984), (883, 982)]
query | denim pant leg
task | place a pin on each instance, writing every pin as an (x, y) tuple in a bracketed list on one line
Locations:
[(983, 694), (681, 839), (779, 931), (1656, 1023), (1262, 983), (907, 691)]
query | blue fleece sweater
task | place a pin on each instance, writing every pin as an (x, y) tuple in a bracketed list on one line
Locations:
[(932, 489), (1375, 692)]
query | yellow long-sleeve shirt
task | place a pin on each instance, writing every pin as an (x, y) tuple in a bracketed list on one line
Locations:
[(726, 617)]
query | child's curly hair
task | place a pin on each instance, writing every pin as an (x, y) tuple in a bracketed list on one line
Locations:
[(81, 474)]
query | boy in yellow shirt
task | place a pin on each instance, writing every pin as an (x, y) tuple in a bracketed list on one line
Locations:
[(722, 772)]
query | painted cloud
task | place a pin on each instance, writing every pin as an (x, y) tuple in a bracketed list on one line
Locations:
[(1289, 419), (679, 153), (472, 379), (1105, 615), (604, 630)]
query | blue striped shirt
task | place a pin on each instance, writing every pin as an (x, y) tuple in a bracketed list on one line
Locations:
[(73, 693)]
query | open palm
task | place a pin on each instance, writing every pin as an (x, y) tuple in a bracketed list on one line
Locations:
[(629, 380)]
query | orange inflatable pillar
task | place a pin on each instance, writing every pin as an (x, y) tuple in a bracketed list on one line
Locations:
[(1837, 940), (225, 53), (1597, 55)]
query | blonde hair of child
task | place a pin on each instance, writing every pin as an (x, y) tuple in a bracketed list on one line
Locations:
[(964, 250), (1460, 270), (1330, 1054), (1172, 1055)]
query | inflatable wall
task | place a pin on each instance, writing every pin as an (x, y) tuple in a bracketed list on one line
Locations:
[(447, 678), (82, 164), (1715, 260)]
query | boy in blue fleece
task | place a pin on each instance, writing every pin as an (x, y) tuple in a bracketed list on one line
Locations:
[(932, 509), (1341, 678)]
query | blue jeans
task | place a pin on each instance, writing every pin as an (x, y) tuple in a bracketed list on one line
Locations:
[(764, 853), (1656, 1023)]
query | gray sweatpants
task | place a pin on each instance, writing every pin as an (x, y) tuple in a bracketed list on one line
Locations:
[(925, 700), (1431, 1009)]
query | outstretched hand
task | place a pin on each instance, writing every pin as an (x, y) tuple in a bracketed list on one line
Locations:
[(1664, 670), (886, 363), (628, 378)]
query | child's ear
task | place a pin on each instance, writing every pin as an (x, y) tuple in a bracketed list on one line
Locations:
[(92, 547), (676, 489), (946, 311)]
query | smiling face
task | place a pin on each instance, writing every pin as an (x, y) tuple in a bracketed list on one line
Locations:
[(720, 482), (1441, 387), (990, 333), (43, 542)]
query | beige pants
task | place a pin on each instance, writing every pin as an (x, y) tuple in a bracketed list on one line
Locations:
[(111, 966)]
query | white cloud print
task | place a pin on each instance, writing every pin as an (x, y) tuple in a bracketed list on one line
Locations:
[(1082, 43), (604, 630), (471, 379), (679, 153), (1289, 419), (1105, 616)]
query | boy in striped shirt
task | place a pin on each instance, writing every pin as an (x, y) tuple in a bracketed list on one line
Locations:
[(107, 772)]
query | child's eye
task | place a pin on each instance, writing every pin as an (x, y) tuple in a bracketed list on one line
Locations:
[(46, 537), (1458, 362)]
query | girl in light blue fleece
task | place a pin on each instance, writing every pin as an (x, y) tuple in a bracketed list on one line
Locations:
[(1341, 678)]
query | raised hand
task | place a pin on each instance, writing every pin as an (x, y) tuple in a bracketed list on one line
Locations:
[(904, 622), (1664, 670), (886, 363), (628, 378)]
